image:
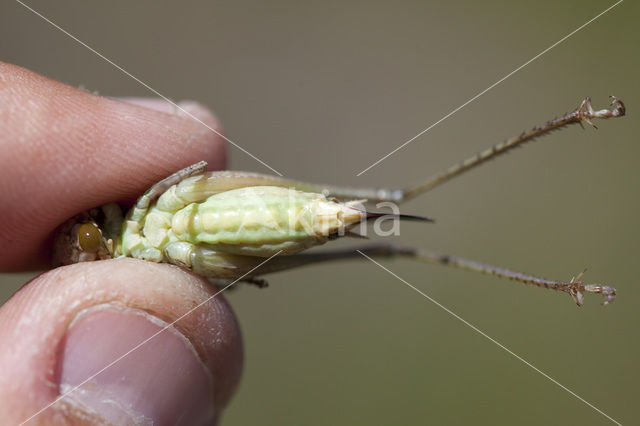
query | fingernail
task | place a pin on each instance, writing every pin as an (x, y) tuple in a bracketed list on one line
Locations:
[(124, 365), (156, 104), (182, 108)]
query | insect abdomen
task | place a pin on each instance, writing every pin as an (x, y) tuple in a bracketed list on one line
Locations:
[(262, 220)]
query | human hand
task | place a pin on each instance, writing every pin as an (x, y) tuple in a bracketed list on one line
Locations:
[(64, 151)]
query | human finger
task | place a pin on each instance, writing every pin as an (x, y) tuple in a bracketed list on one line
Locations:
[(64, 151), (118, 340)]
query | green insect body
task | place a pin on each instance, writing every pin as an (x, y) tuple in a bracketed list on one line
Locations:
[(253, 221), (224, 225)]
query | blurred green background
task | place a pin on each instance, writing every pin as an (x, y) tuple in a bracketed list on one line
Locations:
[(320, 90)]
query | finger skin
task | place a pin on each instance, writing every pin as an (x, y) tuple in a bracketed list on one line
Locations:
[(64, 151), (34, 322)]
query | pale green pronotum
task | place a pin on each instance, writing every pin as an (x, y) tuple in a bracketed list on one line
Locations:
[(222, 225)]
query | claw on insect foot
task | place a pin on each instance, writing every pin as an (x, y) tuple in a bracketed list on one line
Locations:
[(585, 111), (609, 293), (619, 109), (576, 290)]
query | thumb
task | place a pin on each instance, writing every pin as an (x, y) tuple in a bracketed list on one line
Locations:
[(99, 341)]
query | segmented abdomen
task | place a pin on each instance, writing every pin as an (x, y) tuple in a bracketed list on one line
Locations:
[(257, 221)]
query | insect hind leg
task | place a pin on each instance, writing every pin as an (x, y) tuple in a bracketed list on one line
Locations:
[(575, 287)]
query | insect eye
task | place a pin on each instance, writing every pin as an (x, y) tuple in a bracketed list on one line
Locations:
[(89, 237)]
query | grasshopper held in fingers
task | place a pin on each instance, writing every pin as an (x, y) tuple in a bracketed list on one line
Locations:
[(223, 225)]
